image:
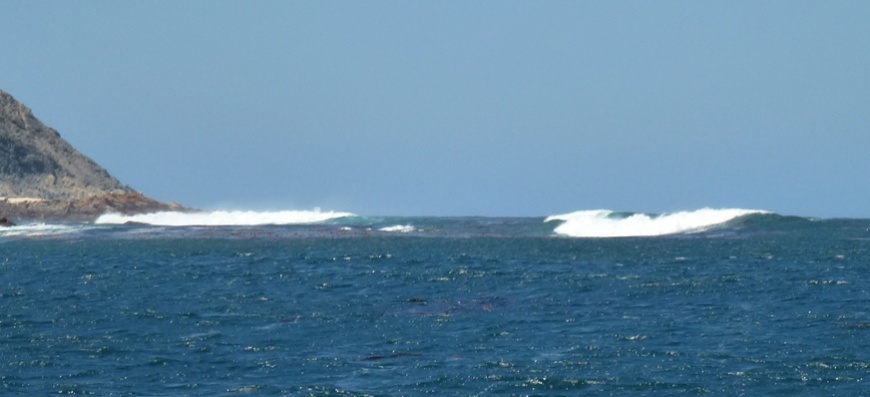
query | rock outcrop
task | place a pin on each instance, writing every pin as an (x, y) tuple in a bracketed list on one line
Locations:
[(83, 209), (42, 177)]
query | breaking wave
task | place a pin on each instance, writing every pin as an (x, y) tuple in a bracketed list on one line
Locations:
[(606, 223), (225, 218), (398, 229)]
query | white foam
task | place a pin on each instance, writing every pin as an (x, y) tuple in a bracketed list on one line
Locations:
[(40, 230), (398, 228), (225, 218), (599, 223)]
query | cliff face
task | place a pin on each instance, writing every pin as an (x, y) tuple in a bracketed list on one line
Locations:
[(36, 162), (44, 177)]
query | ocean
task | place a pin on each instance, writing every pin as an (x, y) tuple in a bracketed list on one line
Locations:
[(708, 302)]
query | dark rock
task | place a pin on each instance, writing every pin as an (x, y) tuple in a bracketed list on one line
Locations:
[(6, 222)]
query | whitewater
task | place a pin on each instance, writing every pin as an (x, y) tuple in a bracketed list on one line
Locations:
[(224, 218), (607, 223), (579, 224)]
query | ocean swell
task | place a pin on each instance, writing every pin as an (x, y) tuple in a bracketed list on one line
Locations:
[(606, 223), (225, 218)]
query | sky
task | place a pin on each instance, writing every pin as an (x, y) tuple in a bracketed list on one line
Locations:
[(494, 108)]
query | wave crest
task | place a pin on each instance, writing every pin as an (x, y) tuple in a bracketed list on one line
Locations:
[(606, 223), (225, 218)]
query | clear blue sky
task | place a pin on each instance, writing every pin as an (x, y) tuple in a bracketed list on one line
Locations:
[(457, 107)]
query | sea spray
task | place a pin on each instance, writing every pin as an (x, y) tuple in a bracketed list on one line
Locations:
[(225, 218), (605, 223)]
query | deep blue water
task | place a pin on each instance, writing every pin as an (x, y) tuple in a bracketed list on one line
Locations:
[(768, 305)]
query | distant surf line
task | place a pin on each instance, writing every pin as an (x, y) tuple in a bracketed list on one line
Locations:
[(578, 224)]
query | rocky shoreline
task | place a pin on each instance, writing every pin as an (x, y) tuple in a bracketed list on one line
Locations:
[(80, 210)]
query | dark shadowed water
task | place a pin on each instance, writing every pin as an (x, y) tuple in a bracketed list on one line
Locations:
[(769, 305)]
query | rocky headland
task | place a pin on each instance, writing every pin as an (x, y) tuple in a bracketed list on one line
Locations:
[(43, 178)]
